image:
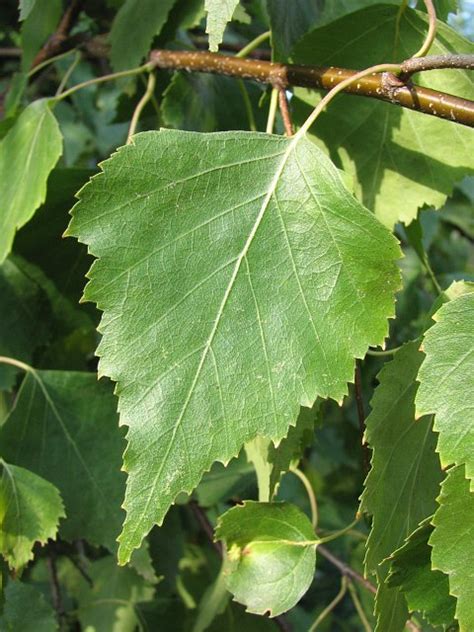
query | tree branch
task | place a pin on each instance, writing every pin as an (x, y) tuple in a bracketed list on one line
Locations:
[(383, 86), (55, 43)]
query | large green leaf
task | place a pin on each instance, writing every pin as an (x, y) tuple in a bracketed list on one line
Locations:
[(219, 12), (27, 155), (25, 609), (271, 555), (238, 279), (453, 543), (446, 381), (30, 509), (426, 590), (397, 157), (64, 428), (133, 29), (403, 482)]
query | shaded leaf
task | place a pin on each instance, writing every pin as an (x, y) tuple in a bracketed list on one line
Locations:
[(403, 482), (289, 21), (426, 590), (64, 428), (271, 555), (453, 543), (204, 356), (446, 385), (133, 29), (38, 616), (205, 103), (389, 150), (213, 602), (109, 604), (24, 312), (30, 509), (219, 12), (41, 241), (27, 155)]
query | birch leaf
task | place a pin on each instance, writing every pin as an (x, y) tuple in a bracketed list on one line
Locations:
[(238, 280)]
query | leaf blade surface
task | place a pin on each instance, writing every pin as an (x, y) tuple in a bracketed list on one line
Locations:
[(446, 381), (28, 153)]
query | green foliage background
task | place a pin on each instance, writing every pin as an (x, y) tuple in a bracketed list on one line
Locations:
[(287, 322)]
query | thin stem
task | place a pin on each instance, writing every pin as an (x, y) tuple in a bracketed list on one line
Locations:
[(337, 534), (17, 363), (358, 606), (430, 37), (311, 495), (384, 353), (285, 111), (255, 43), (49, 61), (330, 607), (247, 105), (394, 68), (432, 276), (436, 62), (272, 111), (68, 73), (140, 105), (111, 77)]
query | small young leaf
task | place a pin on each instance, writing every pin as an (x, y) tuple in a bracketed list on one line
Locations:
[(446, 381), (26, 610), (244, 284), (384, 148), (426, 590), (271, 555), (403, 482), (219, 12), (133, 29), (453, 543), (30, 509), (27, 155), (64, 428)]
